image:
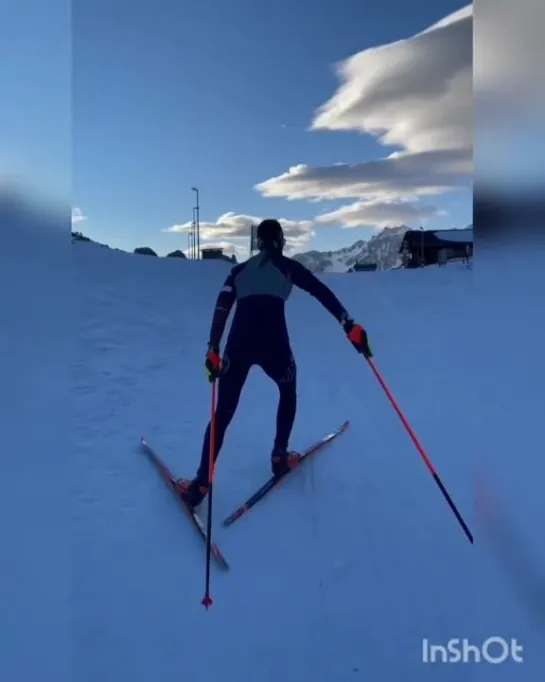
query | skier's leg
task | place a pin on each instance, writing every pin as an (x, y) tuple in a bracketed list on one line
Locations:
[(280, 366), (236, 366)]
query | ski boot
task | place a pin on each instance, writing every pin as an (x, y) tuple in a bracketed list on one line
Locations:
[(192, 492), (283, 461)]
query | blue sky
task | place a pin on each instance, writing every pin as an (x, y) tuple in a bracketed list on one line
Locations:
[(170, 95)]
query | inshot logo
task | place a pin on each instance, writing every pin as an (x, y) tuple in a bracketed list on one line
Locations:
[(492, 650)]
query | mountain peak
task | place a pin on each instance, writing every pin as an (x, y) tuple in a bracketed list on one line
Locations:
[(382, 249)]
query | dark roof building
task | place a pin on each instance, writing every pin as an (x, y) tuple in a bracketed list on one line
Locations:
[(215, 253), (363, 267), (429, 247)]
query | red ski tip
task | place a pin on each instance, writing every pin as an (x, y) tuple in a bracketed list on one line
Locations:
[(207, 602)]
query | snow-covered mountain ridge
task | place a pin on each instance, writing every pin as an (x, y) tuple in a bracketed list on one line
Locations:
[(381, 249)]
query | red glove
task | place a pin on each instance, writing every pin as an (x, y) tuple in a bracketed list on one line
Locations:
[(358, 337), (213, 363)]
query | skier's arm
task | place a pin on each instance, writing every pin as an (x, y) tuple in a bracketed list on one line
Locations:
[(304, 279), (224, 303)]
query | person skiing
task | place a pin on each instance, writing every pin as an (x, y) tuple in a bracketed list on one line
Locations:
[(259, 336)]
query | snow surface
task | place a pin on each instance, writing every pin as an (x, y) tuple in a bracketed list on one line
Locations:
[(339, 574)]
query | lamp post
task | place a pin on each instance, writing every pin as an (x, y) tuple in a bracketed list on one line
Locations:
[(196, 221), (191, 237)]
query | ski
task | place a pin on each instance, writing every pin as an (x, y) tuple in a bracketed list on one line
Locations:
[(191, 513), (275, 480)]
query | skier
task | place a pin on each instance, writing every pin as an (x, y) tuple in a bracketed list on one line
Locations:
[(260, 287)]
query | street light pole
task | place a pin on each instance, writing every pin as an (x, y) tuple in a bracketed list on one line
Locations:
[(191, 237), (196, 217)]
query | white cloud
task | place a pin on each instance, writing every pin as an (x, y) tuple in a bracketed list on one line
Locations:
[(77, 216), (400, 176), (233, 226), (229, 225), (379, 214), (415, 94)]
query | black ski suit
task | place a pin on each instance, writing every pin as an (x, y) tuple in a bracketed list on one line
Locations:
[(260, 287)]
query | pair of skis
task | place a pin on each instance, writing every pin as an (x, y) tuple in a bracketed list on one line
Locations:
[(250, 502), (195, 519)]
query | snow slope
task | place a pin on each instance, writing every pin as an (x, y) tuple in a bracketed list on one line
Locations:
[(343, 570)]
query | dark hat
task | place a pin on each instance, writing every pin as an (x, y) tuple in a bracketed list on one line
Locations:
[(270, 235)]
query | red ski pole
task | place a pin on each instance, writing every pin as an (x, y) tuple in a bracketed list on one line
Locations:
[(421, 450), (207, 599)]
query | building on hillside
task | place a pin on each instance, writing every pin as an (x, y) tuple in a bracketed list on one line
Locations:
[(214, 253), (210, 253), (363, 267), (431, 247)]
